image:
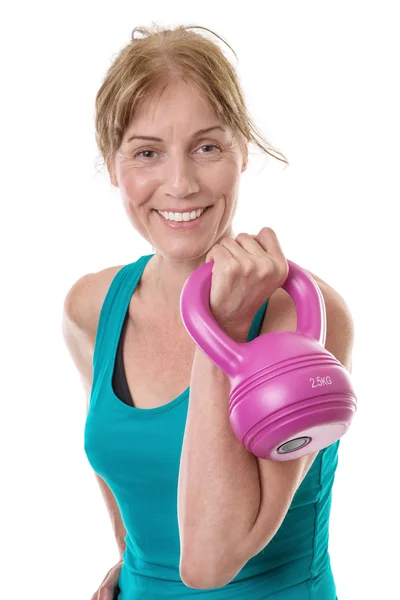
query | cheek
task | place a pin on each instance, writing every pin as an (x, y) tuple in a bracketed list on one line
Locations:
[(136, 187), (227, 185), (222, 181)]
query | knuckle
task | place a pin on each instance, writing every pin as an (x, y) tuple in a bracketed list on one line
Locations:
[(215, 251), (283, 271), (247, 268), (265, 271), (229, 267), (226, 240), (264, 267)]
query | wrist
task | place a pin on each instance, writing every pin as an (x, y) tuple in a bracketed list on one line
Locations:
[(202, 361), (237, 334)]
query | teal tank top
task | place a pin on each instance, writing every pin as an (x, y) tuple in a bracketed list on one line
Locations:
[(137, 452)]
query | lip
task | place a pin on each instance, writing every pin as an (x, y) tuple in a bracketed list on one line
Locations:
[(189, 209)]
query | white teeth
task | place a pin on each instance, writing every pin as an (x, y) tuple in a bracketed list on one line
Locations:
[(186, 216)]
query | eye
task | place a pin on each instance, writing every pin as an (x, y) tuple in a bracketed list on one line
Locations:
[(209, 146), (145, 151)]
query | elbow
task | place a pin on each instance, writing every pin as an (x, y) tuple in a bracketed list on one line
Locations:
[(202, 579), (206, 576)]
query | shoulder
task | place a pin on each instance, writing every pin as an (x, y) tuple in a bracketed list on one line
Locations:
[(84, 299), (281, 316), (81, 310)]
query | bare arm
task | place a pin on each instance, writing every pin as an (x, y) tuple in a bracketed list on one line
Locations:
[(79, 325), (219, 489), (230, 503)]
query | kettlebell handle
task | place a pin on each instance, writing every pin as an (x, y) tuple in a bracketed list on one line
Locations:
[(216, 344)]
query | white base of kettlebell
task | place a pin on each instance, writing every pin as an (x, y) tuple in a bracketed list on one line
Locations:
[(320, 436)]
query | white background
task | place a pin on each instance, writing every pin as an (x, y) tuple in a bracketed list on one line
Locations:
[(321, 81)]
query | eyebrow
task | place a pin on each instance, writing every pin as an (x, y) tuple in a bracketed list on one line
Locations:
[(156, 139)]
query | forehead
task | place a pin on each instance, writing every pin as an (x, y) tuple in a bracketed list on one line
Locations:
[(177, 103)]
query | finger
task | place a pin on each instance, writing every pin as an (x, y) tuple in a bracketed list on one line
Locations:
[(219, 253), (268, 240), (250, 244), (246, 252), (110, 575), (105, 594)]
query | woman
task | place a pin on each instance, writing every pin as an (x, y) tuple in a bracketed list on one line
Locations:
[(194, 513)]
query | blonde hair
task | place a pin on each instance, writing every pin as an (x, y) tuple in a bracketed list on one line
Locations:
[(149, 63)]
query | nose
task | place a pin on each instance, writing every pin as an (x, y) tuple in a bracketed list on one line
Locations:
[(180, 177)]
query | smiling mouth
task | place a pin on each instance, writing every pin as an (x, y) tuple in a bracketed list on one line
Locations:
[(182, 216)]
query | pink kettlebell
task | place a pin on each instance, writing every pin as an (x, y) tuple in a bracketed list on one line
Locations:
[(289, 395)]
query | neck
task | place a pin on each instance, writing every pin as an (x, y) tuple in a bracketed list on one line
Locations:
[(166, 278)]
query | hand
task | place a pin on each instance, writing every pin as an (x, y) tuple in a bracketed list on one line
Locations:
[(246, 272), (107, 589)]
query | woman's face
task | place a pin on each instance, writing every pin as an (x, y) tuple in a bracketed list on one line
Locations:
[(182, 171)]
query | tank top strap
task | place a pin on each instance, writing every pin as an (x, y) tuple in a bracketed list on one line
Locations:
[(116, 303)]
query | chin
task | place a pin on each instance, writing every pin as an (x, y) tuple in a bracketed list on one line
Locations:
[(181, 251)]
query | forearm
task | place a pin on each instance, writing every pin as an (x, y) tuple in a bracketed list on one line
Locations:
[(115, 515), (219, 491)]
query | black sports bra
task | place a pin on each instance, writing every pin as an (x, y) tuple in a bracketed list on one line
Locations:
[(119, 382)]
